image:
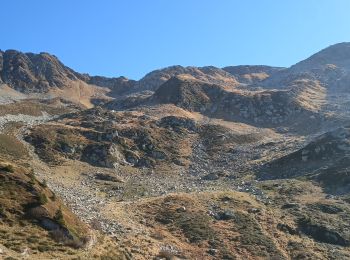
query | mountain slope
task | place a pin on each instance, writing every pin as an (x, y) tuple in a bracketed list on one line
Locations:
[(337, 55), (45, 76), (208, 74), (242, 162), (249, 74), (325, 159), (329, 66)]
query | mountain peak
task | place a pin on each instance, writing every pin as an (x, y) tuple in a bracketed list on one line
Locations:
[(29, 72), (337, 54)]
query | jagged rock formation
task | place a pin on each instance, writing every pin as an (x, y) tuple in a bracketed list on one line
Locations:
[(28, 72), (44, 75)]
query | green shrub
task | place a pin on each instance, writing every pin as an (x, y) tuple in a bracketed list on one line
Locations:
[(42, 199), (32, 177), (59, 218)]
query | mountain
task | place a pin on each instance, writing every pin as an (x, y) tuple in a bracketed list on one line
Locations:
[(330, 148), (337, 55), (34, 72), (261, 108), (208, 74), (117, 86), (44, 75), (187, 163), (251, 74), (329, 66)]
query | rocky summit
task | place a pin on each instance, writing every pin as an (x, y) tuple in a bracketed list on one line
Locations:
[(240, 162)]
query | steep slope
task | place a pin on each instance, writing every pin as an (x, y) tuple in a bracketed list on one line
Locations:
[(32, 218), (330, 70), (325, 159), (337, 55), (45, 76), (329, 66), (34, 73)]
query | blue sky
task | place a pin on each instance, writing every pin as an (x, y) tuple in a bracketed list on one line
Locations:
[(133, 37)]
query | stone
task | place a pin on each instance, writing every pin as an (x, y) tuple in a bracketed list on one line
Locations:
[(181, 209), (253, 210), (211, 177), (212, 251), (158, 155), (290, 205), (225, 215), (178, 122), (287, 229)]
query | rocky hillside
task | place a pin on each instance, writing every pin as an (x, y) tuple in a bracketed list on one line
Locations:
[(264, 108), (325, 159), (33, 220), (117, 86), (251, 74), (28, 72), (43, 75), (208, 74), (330, 67), (187, 163), (109, 139), (337, 55)]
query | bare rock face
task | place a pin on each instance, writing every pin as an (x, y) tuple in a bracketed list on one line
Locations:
[(34, 73)]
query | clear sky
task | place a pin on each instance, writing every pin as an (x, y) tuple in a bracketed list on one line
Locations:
[(133, 37)]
